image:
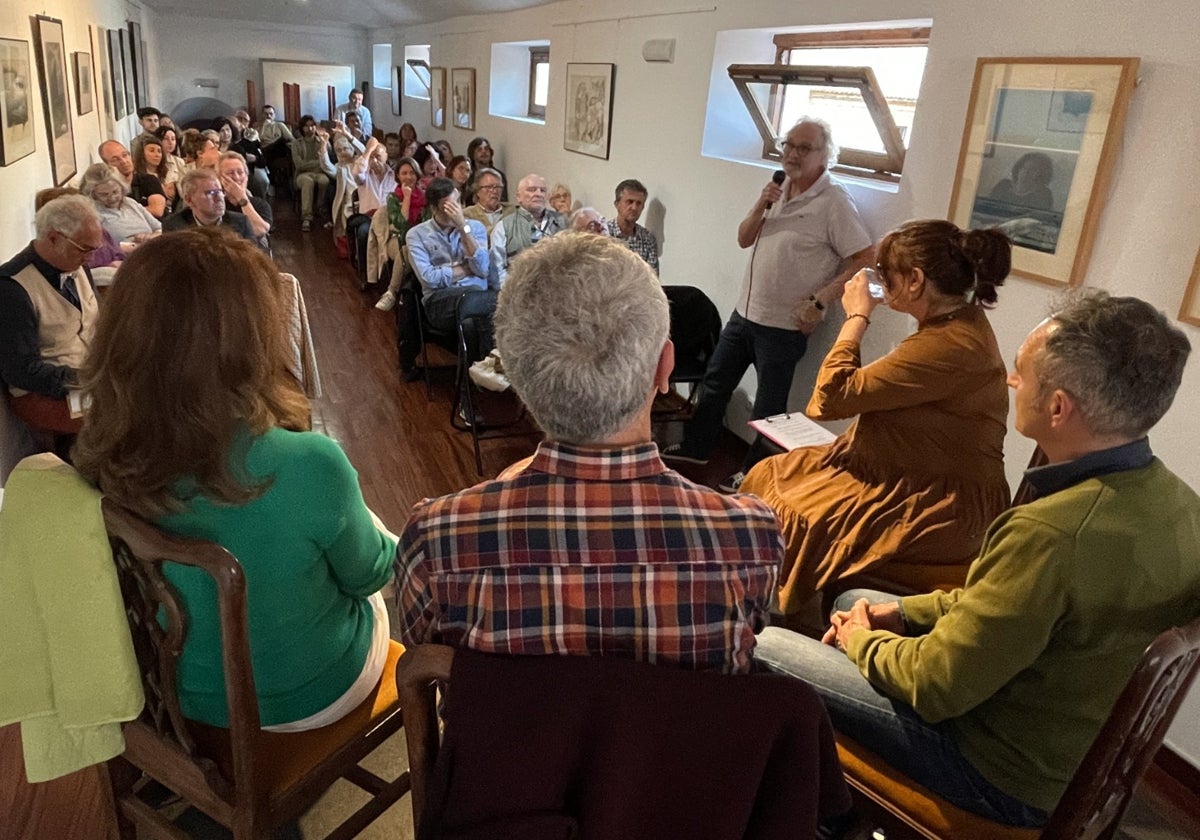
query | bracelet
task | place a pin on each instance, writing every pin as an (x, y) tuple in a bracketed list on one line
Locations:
[(854, 315)]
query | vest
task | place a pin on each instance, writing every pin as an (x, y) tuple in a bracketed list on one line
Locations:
[(64, 332)]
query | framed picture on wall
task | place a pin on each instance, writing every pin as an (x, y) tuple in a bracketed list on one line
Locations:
[(116, 64), (589, 109), (127, 70), (437, 97), (16, 101), (84, 89), (56, 99), (397, 91), (1036, 157), (462, 86), (102, 78), (1189, 313)]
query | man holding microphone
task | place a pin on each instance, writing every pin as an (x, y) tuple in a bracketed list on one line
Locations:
[(806, 240)]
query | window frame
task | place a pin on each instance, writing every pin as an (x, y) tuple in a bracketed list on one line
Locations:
[(888, 165), (418, 64), (537, 55)]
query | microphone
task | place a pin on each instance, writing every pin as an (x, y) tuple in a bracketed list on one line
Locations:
[(777, 178)]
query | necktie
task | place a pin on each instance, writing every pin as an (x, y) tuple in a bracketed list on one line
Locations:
[(66, 285)]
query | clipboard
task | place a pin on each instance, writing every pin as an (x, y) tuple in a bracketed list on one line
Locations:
[(792, 431)]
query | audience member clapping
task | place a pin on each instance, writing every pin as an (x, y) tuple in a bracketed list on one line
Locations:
[(121, 216)]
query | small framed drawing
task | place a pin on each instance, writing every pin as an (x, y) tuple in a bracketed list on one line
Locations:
[(437, 97), (1189, 313), (84, 90), (397, 88), (16, 103), (589, 109), (462, 86), (1036, 158), (56, 100)]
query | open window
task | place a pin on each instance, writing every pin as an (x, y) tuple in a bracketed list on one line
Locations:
[(863, 82), (539, 80), (417, 77)]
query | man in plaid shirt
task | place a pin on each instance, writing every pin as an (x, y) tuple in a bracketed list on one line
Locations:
[(630, 199), (593, 546)]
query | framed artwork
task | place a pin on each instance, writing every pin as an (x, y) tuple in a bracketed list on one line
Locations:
[(16, 106), (127, 68), (1189, 313), (117, 64), (462, 87), (589, 109), (137, 49), (397, 88), (1037, 154), (84, 96), (102, 78), (56, 100), (437, 96)]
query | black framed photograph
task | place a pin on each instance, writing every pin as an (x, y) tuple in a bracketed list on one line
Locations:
[(127, 67), (84, 88), (16, 111), (397, 88), (589, 109), (116, 64), (137, 49), (56, 99), (102, 78)]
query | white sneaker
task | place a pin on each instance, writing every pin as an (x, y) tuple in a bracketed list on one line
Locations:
[(732, 484), (386, 302)]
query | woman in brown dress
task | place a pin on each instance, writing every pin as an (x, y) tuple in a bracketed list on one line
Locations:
[(907, 492)]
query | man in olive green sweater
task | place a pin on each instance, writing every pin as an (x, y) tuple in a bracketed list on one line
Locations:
[(990, 695)]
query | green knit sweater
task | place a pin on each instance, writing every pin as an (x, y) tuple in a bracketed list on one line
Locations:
[(311, 555), (1028, 658)]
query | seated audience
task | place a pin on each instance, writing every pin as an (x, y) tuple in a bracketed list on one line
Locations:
[(488, 211), (391, 142), (561, 200), (353, 127), (482, 156), (405, 210), (630, 199), (105, 260), (588, 220), (249, 146), (356, 106), (121, 216), (553, 562), (146, 190), (48, 312), (376, 181), (459, 171), (531, 220), (408, 135), (218, 450), (275, 139), (234, 180), (149, 118), (314, 169), (169, 135), (449, 255), (150, 169), (445, 153), (907, 492), (204, 206), (345, 191), (990, 695), (227, 132), (431, 164)]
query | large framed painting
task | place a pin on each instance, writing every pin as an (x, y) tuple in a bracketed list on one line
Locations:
[(462, 86), (588, 124), (84, 89), (103, 77), (137, 48), (437, 97), (56, 100), (117, 64), (16, 103), (127, 68), (1037, 155)]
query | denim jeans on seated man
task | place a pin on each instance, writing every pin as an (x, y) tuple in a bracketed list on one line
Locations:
[(925, 752)]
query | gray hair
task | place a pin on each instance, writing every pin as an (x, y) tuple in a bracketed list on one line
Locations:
[(486, 170), (1118, 357), (231, 155), (189, 179), (100, 173), (831, 148), (580, 324), (65, 214), (579, 219)]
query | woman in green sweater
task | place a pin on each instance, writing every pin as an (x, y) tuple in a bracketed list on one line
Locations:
[(197, 424)]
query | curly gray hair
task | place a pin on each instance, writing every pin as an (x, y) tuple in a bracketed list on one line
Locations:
[(65, 214)]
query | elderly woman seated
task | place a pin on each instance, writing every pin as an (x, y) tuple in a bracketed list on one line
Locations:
[(907, 492), (121, 216)]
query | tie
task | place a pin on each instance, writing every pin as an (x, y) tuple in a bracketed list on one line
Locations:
[(66, 285)]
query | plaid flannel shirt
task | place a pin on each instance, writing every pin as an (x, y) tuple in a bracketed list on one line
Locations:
[(591, 552), (642, 242)]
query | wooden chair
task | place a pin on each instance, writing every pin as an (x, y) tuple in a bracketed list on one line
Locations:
[(1097, 795), (248, 780)]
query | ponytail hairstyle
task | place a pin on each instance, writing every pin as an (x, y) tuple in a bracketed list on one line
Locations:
[(959, 263)]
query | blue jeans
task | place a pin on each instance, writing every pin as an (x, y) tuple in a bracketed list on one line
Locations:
[(925, 752), (774, 353)]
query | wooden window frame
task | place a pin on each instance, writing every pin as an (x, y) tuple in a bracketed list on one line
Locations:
[(537, 55), (417, 65)]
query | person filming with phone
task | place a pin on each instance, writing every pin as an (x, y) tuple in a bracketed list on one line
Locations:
[(907, 492)]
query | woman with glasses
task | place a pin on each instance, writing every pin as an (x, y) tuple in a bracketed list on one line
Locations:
[(120, 215), (215, 446), (906, 493)]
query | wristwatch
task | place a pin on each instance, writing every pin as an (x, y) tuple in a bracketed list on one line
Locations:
[(245, 201)]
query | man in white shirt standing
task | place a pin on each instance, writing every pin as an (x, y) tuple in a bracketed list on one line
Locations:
[(356, 105)]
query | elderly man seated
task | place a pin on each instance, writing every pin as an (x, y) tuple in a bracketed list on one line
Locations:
[(990, 695), (588, 220), (548, 558), (532, 220), (204, 200), (235, 180), (629, 201), (48, 313), (143, 188)]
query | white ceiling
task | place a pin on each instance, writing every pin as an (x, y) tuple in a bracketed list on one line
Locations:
[(368, 14)]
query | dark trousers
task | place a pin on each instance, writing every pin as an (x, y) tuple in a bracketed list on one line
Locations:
[(443, 311), (774, 353)]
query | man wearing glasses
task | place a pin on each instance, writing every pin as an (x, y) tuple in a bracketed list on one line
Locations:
[(806, 240), (48, 313), (204, 198), (487, 210)]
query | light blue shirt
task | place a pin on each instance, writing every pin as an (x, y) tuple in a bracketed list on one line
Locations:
[(434, 252)]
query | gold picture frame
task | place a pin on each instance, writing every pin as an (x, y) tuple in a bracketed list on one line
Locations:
[(1189, 311), (1036, 158), (437, 97), (462, 87)]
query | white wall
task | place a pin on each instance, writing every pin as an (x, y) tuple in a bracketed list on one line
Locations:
[(1146, 241)]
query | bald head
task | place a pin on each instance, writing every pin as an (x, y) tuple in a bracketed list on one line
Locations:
[(117, 156), (532, 194)]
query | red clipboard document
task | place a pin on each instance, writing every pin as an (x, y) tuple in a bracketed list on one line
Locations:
[(792, 431)]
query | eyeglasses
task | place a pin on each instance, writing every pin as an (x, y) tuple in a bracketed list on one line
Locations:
[(488, 187), (596, 226), (212, 195), (85, 249), (802, 148)]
